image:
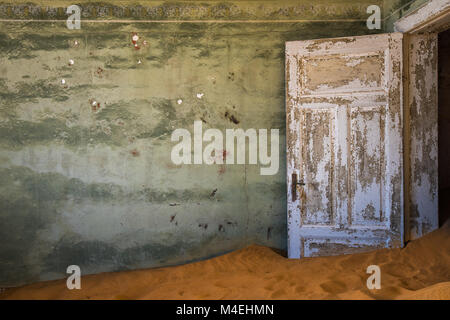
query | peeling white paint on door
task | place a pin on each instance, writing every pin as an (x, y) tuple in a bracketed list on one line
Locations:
[(422, 138), (344, 141)]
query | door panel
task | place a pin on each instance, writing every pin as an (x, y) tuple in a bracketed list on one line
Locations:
[(342, 73), (367, 165), (344, 142), (318, 166)]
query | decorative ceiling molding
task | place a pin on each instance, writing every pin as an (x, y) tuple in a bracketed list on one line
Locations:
[(197, 11)]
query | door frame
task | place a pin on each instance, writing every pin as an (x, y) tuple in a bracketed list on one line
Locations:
[(420, 26), (433, 16)]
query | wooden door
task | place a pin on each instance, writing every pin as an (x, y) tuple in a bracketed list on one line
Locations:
[(344, 143)]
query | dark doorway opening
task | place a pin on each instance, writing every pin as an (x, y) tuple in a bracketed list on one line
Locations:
[(444, 125)]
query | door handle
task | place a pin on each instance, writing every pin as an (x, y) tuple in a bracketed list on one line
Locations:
[(295, 182)]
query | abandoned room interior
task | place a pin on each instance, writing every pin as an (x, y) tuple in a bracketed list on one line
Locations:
[(253, 149)]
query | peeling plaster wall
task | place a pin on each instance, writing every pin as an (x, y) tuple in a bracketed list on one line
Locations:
[(85, 171)]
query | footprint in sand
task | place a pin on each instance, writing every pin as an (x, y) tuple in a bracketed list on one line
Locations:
[(278, 294), (355, 260), (387, 293), (300, 289), (398, 270), (334, 287), (269, 287), (221, 284), (279, 277), (274, 282)]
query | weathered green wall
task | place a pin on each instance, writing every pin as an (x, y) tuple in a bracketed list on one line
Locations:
[(95, 186)]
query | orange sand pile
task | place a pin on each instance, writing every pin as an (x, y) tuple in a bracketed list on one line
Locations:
[(419, 271)]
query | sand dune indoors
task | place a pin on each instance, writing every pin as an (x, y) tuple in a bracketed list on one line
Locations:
[(419, 271)]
